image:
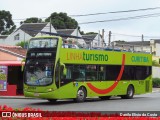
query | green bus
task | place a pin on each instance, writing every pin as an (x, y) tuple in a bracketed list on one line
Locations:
[(53, 72)]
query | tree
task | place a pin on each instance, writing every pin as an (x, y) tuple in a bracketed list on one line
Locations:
[(62, 21), (6, 23), (81, 32), (32, 20)]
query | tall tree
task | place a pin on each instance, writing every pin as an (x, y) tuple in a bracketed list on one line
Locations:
[(62, 21), (32, 20), (6, 23)]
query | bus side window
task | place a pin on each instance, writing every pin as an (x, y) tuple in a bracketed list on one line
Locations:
[(101, 72), (91, 72), (78, 72), (62, 73)]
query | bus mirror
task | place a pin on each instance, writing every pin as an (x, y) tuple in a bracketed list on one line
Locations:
[(63, 69)]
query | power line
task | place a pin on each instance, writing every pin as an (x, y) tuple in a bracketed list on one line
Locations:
[(112, 12), (29, 17), (127, 18), (136, 35), (124, 11), (126, 35)]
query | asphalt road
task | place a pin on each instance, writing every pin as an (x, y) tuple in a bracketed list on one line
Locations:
[(146, 102)]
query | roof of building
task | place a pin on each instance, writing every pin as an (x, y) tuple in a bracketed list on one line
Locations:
[(145, 43), (12, 63), (32, 28), (65, 31), (90, 36), (136, 43), (14, 50), (3, 36), (156, 40)]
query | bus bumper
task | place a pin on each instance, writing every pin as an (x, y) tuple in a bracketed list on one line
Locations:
[(48, 95)]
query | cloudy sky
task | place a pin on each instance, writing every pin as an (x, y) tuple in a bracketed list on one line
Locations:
[(128, 30)]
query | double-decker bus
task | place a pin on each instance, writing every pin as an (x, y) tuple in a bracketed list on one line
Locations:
[(54, 72)]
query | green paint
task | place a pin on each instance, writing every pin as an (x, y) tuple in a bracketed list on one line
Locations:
[(98, 57), (139, 59), (86, 56)]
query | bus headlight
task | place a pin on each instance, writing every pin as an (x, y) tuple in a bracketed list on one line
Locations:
[(50, 89)]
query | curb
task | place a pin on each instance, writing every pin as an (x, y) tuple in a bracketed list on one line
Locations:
[(15, 97)]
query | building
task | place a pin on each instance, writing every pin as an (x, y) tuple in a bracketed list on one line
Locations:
[(2, 39), (27, 31), (93, 40), (155, 44), (11, 75), (72, 32), (137, 46)]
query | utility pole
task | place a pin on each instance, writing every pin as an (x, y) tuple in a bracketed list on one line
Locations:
[(102, 38), (99, 38), (109, 38), (142, 43), (24, 41)]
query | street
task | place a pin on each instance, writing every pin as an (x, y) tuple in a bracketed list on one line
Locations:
[(146, 102)]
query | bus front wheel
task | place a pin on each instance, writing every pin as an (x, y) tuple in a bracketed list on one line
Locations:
[(130, 93), (81, 95)]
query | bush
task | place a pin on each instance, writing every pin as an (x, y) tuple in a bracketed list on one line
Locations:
[(155, 63), (156, 82), (23, 44)]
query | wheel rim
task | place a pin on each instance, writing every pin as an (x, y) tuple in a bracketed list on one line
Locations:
[(130, 92), (80, 94)]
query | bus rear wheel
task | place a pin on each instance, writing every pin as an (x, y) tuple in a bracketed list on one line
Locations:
[(52, 100), (81, 95), (130, 93)]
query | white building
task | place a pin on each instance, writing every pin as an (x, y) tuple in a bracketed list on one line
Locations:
[(138, 46), (155, 44), (72, 32), (27, 31), (2, 39), (93, 40)]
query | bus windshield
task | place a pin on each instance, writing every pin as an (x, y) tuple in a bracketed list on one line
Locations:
[(43, 43), (39, 72)]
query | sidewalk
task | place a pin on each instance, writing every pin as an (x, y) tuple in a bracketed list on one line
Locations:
[(154, 90)]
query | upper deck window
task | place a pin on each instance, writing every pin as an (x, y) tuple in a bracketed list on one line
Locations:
[(43, 43)]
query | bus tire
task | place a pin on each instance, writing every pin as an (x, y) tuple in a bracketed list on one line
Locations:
[(52, 100), (105, 97), (81, 95), (130, 93)]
